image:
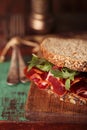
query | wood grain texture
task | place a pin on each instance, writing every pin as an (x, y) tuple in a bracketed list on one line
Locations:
[(41, 106), (40, 126)]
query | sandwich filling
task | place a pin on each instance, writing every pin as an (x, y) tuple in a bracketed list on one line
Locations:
[(57, 79)]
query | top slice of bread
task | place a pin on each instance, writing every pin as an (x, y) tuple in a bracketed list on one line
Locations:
[(70, 53)]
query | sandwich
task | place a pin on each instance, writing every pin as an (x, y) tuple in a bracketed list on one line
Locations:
[(61, 69)]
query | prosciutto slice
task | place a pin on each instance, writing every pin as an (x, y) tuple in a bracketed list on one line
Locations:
[(46, 80), (58, 86), (80, 88), (38, 77)]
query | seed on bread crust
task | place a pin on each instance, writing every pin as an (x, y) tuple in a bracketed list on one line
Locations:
[(70, 53)]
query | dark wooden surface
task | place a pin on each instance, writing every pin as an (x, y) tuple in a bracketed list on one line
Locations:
[(45, 107), (40, 126)]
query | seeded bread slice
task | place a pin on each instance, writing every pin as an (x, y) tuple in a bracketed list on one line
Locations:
[(70, 53)]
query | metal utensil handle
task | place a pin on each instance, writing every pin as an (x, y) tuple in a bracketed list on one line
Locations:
[(13, 74), (21, 66)]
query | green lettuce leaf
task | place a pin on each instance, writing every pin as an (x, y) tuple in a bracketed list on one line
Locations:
[(67, 74), (40, 63), (67, 84), (45, 65)]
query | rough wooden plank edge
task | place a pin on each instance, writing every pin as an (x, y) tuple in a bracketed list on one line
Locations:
[(54, 117)]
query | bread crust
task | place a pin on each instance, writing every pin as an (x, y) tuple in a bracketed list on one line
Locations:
[(61, 60)]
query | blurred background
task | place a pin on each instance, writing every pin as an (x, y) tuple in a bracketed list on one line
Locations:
[(44, 16)]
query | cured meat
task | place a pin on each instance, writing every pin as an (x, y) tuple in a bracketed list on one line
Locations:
[(58, 86), (46, 80), (38, 77), (80, 88), (42, 81)]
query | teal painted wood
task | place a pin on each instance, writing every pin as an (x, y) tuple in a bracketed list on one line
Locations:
[(12, 98)]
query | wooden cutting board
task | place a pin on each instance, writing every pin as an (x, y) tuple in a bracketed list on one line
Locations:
[(41, 106)]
